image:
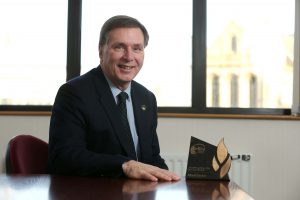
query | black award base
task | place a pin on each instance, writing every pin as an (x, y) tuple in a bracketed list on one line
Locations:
[(208, 162)]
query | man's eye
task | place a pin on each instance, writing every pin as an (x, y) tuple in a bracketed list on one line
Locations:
[(137, 49), (119, 47)]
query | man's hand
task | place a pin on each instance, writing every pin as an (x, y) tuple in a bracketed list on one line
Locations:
[(137, 170)]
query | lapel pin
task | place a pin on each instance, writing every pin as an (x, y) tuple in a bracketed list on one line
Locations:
[(143, 107)]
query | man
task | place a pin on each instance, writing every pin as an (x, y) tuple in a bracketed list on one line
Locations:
[(87, 135)]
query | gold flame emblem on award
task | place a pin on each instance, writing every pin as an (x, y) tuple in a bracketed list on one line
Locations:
[(221, 162)]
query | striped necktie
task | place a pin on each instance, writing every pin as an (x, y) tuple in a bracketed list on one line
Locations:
[(123, 96)]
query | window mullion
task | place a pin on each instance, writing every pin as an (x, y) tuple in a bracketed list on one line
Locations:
[(296, 81), (199, 56), (74, 38)]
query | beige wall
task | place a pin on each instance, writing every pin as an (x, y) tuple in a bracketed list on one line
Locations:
[(274, 145)]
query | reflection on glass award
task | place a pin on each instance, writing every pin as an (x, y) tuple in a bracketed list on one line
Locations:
[(207, 161)]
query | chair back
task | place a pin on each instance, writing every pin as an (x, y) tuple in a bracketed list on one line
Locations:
[(26, 154)]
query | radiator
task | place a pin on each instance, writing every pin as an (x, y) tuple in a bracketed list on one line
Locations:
[(240, 171)]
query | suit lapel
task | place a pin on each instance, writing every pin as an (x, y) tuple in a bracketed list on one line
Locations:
[(107, 100), (140, 107)]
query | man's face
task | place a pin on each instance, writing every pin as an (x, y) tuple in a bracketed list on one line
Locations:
[(123, 55)]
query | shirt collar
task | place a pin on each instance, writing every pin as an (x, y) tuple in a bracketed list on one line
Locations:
[(115, 91)]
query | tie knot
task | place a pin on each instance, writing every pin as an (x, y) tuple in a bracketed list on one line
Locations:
[(122, 96)]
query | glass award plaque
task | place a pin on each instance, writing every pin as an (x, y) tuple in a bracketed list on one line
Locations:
[(208, 162)]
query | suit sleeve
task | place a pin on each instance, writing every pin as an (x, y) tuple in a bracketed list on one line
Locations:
[(68, 152), (157, 159)]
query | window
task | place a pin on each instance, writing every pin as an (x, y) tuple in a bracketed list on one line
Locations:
[(234, 91), (250, 38), (167, 69), (253, 91), (215, 91), (234, 44), (216, 58), (32, 51)]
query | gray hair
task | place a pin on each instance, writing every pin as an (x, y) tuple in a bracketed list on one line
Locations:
[(121, 21)]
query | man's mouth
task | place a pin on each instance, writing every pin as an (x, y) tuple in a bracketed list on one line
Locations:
[(126, 67)]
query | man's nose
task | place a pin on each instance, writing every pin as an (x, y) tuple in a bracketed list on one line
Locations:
[(128, 54)]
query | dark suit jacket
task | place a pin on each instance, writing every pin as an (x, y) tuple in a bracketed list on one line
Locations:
[(86, 136)]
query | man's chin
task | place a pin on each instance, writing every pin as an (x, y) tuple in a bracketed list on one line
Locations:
[(127, 78)]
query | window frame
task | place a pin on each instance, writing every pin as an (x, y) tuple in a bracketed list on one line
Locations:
[(198, 67)]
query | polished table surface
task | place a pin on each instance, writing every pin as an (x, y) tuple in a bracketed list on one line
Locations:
[(49, 187)]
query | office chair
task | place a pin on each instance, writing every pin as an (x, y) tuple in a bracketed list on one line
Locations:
[(26, 154)]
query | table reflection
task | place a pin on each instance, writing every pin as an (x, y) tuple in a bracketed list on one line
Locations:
[(45, 187), (20, 187), (216, 190), (176, 190), (236, 193)]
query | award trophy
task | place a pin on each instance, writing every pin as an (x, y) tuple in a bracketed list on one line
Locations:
[(208, 162)]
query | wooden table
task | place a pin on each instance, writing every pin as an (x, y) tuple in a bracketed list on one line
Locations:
[(47, 187)]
